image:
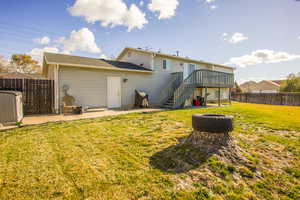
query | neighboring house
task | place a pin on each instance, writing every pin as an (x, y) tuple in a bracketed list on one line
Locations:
[(107, 83), (264, 86), (248, 86)]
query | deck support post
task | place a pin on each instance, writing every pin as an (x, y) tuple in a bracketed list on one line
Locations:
[(219, 97), (229, 96), (205, 96)]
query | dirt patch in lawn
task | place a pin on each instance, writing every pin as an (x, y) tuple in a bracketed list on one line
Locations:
[(196, 149)]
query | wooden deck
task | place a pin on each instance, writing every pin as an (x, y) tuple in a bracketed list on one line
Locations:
[(179, 90)]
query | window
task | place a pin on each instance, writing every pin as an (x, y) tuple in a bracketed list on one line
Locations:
[(166, 65), (192, 67)]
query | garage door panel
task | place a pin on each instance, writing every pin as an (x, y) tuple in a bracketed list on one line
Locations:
[(87, 87)]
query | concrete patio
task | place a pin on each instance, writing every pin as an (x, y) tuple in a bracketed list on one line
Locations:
[(40, 119)]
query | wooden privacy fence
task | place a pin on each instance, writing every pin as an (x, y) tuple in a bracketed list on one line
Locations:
[(289, 99), (38, 94)]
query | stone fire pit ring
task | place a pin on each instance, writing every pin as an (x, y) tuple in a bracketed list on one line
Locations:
[(212, 123)]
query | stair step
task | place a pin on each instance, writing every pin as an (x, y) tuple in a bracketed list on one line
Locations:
[(168, 107), (170, 102)]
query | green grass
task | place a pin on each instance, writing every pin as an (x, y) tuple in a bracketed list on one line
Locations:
[(135, 156)]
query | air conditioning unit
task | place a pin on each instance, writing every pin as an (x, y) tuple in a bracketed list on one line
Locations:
[(11, 107)]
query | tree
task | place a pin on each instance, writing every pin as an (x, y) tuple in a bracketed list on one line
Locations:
[(237, 88), (292, 84), (3, 64), (24, 64)]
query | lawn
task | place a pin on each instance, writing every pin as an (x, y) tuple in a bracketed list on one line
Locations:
[(133, 157)]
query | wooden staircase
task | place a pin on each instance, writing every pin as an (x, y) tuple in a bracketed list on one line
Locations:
[(169, 104)]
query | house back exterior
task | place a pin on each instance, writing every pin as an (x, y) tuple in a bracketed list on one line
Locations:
[(112, 84)]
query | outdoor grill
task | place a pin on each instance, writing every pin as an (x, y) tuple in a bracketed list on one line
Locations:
[(141, 99)]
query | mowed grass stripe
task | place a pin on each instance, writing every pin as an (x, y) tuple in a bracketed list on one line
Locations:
[(29, 168)]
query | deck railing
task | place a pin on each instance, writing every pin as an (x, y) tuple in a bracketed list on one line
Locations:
[(208, 78)]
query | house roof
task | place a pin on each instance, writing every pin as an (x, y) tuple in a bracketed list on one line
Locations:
[(249, 86), (168, 56), (79, 61), (125, 65), (278, 81), (267, 85)]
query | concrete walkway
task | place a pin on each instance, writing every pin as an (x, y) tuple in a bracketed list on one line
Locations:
[(40, 119)]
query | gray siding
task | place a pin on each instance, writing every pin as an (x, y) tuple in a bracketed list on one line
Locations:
[(89, 86), (176, 65), (146, 60)]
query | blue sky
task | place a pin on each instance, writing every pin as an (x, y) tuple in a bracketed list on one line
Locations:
[(260, 38)]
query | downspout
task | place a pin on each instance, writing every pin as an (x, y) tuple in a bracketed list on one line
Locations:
[(56, 89), (152, 61)]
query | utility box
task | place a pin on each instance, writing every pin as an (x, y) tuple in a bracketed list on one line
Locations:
[(11, 107)]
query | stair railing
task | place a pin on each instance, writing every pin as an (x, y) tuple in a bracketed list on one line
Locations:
[(185, 89), (168, 91)]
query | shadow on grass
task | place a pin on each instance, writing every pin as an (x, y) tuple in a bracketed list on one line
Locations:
[(178, 158)]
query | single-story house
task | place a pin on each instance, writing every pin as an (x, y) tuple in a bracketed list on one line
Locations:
[(98, 83)]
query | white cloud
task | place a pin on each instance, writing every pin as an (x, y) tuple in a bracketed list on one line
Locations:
[(210, 1), (82, 40), (109, 13), (212, 7), (262, 56), (103, 56), (37, 53), (166, 8), (235, 38), (43, 40), (141, 3), (299, 38)]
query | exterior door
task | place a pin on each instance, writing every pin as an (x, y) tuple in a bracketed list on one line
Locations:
[(113, 92), (188, 69)]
